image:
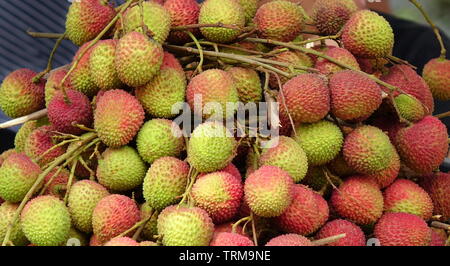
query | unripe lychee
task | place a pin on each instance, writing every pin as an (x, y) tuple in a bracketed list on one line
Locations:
[(138, 59), (19, 95), (87, 18), (269, 191), (218, 193), (437, 75), (118, 117)]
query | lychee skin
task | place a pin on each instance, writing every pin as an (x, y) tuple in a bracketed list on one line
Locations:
[(353, 96), (185, 226), (289, 156), (138, 59), (220, 194), (80, 77), (438, 237), (53, 83), (221, 11), (354, 235), (118, 117), (437, 75), (307, 212), (330, 16), (214, 86), (306, 97), (86, 19), (165, 182), (402, 229), (58, 183), (368, 150), (279, 20), (83, 198), (289, 240), (359, 200), (387, 176), (17, 175), (39, 142), (64, 115), (101, 65), (19, 95), (406, 196), (113, 215), (269, 191), (182, 12), (45, 221), (438, 187), (230, 239), (407, 79), (205, 141), (367, 34), (121, 242), (424, 145), (340, 54)]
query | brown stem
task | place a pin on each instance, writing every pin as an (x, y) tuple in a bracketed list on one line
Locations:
[(328, 240), (440, 225), (331, 59), (49, 67), (215, 25), (330, 37), (440, 116), (400, 61), (36, 184), (24, 119), (255, 235), (244, 59), (46, 35), (433, 26)]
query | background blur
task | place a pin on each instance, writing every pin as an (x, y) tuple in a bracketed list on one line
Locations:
[(18, 50)]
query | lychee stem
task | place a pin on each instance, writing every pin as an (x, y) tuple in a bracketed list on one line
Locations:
[(400, 61), (44, 188), (193, 176), (283, 101), (236, 224), (255, 236), (443, 115), (245, 59), (199, 47), (440, 225), (329, 58), (215, 25), (91, 44), (70, 181), (135, 226), (433, 26), (24, 119), (49, 67), (328, 240), (330, 37), (38, 181), (46, 35)]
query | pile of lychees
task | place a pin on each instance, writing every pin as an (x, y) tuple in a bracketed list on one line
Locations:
[(103, 160)]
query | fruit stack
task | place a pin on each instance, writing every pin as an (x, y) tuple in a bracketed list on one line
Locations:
[(102, 157)]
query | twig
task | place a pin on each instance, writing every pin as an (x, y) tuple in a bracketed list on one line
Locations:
[(244, 59), (24, 119), (255, 236), (433, 26), (215, 25), (400, 61), (198, 69), (49, 67), (70, 181), (440, 225), (443, 115), (135, 226), (328, 240), (46, 35)]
